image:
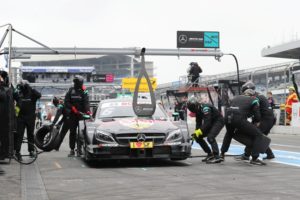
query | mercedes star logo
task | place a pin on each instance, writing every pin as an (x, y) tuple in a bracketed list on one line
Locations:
[(141, 137), (183, 39)]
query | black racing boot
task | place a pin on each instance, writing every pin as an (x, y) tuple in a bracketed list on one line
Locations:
[(270, 154), (209, 156), (216, 159), (18, 156), (242, 157), (78, 153), (257, 162), (72, 153), (269, 157)]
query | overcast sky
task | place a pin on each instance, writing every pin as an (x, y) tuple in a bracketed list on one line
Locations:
[(245, 27)]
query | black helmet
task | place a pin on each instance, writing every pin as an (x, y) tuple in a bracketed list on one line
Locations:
[(248, 85), (55, 101), (23, 85), (249, 92), (193, 104), (78, 81), (194, 64), (4, 75)]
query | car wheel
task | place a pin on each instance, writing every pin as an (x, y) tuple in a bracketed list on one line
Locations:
[(86, 153)]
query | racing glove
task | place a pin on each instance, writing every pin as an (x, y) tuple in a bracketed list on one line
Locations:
[(197, 133), (74, 110)]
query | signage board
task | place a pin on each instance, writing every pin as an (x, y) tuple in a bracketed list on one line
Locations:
[(103, 78), (198, 39), (129, 83)]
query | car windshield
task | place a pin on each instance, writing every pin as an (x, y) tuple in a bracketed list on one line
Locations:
[(123, 110)]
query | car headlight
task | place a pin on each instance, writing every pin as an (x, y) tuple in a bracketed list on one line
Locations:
[(174, 136), (104, 137)]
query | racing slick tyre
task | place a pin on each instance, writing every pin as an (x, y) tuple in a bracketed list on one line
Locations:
[(47, 138), (86, 155)]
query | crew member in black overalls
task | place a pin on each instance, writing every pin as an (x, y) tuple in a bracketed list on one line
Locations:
[(26, 98), (267, 119), (64, 122), (76, 103), (209, 123), (241, 108), (7, 117), (194, 72)]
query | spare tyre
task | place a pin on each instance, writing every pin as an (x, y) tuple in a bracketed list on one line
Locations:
[(47, 138)]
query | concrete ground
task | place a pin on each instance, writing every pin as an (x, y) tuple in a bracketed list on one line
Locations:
[(55, 176)]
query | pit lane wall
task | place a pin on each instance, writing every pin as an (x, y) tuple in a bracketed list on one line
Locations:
[(296, 115)]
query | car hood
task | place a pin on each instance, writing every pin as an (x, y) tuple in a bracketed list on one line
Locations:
[(132, 125)]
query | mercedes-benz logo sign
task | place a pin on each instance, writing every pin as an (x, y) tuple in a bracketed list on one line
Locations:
[(141, 137), (183, 39)]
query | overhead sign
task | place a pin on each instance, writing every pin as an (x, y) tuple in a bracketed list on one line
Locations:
[(104, 78), (57, 69), (129, 83), (198, 39)]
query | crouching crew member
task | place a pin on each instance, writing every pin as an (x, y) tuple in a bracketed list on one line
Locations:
[(209, 123), (267, 118), (241, 108), (76, 103)]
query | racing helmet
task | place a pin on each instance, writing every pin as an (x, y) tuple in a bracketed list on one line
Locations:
[(249, 92), (78, 81), (55, 101), (4, 75), (248, 85), (193, 104), (23, 85)]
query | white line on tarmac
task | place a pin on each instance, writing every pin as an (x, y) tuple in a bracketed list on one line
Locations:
[(58, 165), (285, 145)]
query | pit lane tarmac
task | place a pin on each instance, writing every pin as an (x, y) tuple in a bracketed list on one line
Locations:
[(59, 177)]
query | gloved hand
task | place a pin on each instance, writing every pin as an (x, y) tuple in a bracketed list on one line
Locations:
[(74, 110), (197, 133), (17, 109)]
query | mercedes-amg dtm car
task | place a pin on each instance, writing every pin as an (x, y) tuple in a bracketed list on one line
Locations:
[(117, 133)]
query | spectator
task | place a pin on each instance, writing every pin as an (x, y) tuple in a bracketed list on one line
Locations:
[(271, 99)]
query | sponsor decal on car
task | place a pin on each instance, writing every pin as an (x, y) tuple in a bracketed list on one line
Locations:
[(137, 123)]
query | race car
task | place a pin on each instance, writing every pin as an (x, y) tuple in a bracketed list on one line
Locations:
[(117, 133)]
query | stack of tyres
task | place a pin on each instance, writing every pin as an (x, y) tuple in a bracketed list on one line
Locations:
[(47, 138)]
